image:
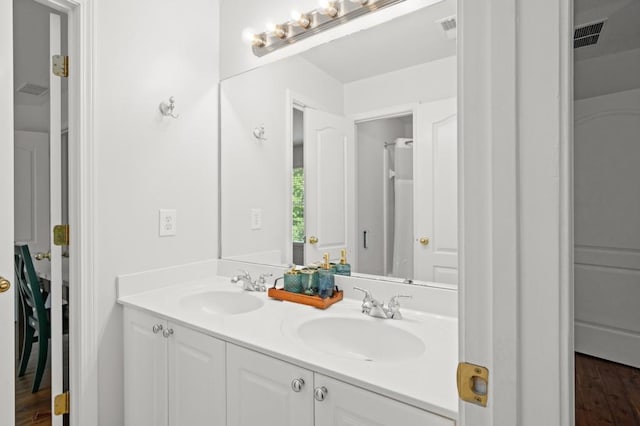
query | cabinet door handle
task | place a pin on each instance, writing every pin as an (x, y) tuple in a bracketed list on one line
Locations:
[(157, 328), (320, 393), (168, 332), (297, 384)]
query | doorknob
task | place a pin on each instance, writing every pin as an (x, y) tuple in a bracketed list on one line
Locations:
[(313, 240), (42, 256), (4, 284), (424, 241)]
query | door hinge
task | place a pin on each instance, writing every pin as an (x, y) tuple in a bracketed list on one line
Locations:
[(61, 235), (473, 383), (60, 65), (61, 404)]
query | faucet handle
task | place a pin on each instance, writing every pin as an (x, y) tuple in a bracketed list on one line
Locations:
[(367, 293), (394, 300), (245, 276), (368, 302), (263, 278), (393, 306)]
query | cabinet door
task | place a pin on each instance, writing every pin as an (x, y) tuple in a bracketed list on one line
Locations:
[(145, 370), (347, 405), (196, 378), (259, 391)]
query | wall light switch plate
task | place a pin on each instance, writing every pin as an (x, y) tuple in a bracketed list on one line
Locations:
[(168, 222), (256, 219)]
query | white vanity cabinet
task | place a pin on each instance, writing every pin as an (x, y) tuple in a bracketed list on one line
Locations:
[(341, 404), (173, 376), (262, 390)]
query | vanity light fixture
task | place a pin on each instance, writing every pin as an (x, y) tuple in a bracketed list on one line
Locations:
[(329, 14)]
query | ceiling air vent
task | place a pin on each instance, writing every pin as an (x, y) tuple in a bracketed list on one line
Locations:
[(33, 89), (587, 35), (449, 26)]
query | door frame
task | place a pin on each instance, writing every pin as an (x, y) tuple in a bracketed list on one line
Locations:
[(83, 321), (515, 201), (394, 111), (293, 100)]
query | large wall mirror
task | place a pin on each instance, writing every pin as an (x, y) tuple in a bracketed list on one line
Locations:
[(352, 144)]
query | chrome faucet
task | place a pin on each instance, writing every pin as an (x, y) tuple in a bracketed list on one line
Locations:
[(248, 284), (374, 308)]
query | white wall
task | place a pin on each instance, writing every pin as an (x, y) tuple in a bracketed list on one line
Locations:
[(607, 74), (255, 174), (607, 233), (426, 82), (236, 55), (145, 52)]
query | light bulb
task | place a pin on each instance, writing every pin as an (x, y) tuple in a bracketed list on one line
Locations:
[(300, 19), (328, 8), (252, 38), (276, 30)]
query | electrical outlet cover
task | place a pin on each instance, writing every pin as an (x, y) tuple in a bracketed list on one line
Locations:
[(168, 222)]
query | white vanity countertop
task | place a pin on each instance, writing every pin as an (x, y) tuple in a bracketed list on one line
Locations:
[(426, 381)]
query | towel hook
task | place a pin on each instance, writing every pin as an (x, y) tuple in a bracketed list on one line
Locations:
[(166, 109), (259, 133)]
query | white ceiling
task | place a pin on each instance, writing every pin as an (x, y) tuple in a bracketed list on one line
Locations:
[(621, 32), (410, 40)]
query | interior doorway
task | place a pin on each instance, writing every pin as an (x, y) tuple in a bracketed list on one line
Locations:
[(607, 211), (41, 200)]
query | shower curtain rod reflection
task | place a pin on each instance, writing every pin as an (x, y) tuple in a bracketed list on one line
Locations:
[(386, 144)]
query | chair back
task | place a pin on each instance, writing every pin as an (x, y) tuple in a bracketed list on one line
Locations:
[(30, 291)]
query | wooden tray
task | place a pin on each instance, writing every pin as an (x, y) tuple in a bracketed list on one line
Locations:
[(315, 301)]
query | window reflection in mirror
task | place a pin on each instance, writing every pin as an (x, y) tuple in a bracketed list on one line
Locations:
[(297, 187)]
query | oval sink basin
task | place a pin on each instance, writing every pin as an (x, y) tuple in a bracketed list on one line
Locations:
[(221, 302), (360, 339)]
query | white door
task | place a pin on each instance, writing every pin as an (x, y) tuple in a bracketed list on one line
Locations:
[(31, 179), (435, 204), (55, 182), (145, 370), (328, 160), (260, 391), (347, 405), (197, 372), (607, 226), (7, 348)]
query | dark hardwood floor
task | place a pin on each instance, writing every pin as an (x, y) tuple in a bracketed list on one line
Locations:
[(33, 408), (606, 393)]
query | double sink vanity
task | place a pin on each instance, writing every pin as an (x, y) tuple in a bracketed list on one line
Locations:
[(200, 350)]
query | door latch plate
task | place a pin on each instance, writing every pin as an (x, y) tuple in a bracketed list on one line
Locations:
[(473, 383)]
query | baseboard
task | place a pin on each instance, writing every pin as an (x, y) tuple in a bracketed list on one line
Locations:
[(608, 343)]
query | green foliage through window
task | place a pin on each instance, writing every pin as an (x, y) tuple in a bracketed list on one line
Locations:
[(298, 205)]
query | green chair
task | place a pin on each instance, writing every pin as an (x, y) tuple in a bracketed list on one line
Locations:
[(36, 316)]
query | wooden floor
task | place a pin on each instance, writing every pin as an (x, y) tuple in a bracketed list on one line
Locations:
[(33, 408), (606, 393)]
